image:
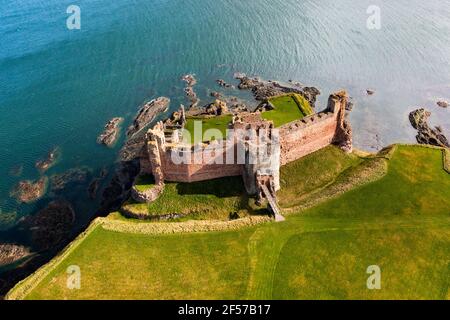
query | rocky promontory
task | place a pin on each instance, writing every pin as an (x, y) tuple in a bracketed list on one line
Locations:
[(427, 134), (147, 114), (111, 132)]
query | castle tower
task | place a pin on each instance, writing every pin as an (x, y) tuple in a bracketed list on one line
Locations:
[(343, 137)]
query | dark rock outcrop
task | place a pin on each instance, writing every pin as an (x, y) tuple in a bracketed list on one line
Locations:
[(263, 90), (147, 114), (350, 104), (59, 181), (93, 188), (52, 225), (95, 184), (119, 187), (310, 94), (427, 134), (189, 90), (111, 132), (216, 94), (28, 191), (217, 108), (132, 148), (370, 92), (224, 84), (442, 104), (189, 79)]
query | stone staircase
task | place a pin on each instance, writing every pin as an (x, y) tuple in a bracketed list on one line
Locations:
[(272, 203)]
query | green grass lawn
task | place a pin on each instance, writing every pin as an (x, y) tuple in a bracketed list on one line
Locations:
[(288, 108), (400, 222), (220, 123), (299, 178), (154, 267), (213, 199)]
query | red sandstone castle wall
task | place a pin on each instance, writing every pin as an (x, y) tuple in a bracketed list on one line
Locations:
[(193, 172), (297, 139), (308, 135)]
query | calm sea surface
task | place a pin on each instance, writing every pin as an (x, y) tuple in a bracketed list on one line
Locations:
[(58, 87)]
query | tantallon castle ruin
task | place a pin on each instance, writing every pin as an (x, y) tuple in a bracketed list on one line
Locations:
[(167, 158)]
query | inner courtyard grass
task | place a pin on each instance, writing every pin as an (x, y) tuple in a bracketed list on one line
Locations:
[(400, 222), (219, 123), (288, 108)]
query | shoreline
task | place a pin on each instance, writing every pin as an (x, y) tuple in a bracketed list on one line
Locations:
[(122, 176)]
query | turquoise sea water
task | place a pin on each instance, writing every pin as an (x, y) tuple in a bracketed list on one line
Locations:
[(58, 87)]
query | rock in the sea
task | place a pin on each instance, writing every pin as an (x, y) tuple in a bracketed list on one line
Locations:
[(147, 114), (7, 219), (111, 132), (190, 93), (93, 188), (52, 225), (45, 164), (189, 79), (59, 181), (427, 134), (16, 171), (370, 92), (28, 191), (224, 84), (189, 90), (442, 104), (216, 94), (263, 90), (10, 253)]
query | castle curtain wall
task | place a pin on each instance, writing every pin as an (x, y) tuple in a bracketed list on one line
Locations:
[(306, 136)]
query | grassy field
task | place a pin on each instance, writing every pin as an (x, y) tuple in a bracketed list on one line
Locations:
[(400, 222), (288, 108), (299, 178), (214, 199), (219, 122)]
